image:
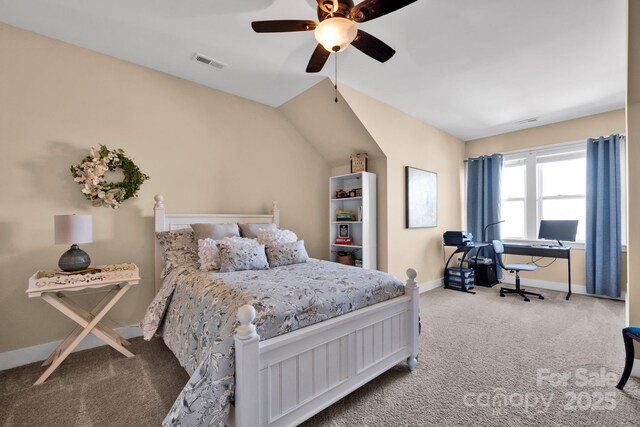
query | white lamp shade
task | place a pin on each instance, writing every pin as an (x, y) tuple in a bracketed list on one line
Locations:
[(73, 229), (335, 34)]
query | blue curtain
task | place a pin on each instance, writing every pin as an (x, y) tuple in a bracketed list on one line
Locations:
[(483, 202), (483, 196), (604, 236)]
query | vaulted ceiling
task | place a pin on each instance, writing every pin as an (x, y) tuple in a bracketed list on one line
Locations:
[(471, 68)]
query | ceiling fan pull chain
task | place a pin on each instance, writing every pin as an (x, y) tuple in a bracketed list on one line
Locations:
[(336, 77)]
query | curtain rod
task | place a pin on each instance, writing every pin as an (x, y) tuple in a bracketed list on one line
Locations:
[(539, 147)]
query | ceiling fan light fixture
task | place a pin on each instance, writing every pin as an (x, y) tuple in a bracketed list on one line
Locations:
[(335, 34)]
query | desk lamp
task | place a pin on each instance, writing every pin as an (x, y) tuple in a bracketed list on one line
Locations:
[(73, 229)]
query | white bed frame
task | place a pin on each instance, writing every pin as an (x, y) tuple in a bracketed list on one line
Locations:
[(287, 379)]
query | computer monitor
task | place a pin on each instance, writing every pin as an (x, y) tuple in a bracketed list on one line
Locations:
[(565, 229)]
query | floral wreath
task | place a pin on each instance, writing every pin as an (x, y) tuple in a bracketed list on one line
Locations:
[(90, 175)]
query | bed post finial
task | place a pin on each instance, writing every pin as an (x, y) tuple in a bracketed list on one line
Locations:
[(413, 290), (276, 213), (159, 198), (246, 315), (411, 274)]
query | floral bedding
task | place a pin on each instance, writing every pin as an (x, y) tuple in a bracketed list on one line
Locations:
[(196, 311)]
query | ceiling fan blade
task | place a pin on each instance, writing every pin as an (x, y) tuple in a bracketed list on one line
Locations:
[(324, 5), (327, 5), (372, 9), (372, 46), (283, 26), (318, 59)]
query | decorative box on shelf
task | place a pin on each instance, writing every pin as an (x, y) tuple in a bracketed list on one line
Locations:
[(53, 281), (359, 162)]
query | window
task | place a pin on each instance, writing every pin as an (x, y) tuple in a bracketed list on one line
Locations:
[(543, 184), (514, 191)]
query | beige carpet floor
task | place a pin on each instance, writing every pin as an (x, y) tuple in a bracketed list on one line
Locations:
[(485, 361)]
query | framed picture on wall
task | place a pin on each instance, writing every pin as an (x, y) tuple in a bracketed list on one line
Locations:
[(421, 198)]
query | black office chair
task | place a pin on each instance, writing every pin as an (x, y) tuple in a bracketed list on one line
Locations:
[(628, 336), (498, 247)]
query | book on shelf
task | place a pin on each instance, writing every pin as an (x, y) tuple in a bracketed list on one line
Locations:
[(344, 241), (344, 215)]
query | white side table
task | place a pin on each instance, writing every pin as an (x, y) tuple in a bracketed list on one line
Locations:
[(50, 287)]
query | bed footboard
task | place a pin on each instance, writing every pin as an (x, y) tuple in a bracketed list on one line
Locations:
[(287, 379)]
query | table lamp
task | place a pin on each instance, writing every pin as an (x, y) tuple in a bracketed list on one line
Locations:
[(73, 229)]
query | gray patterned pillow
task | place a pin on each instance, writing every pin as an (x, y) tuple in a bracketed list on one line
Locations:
[(251, 230), (287, 253), (239, 255), (215, 231), (178, 247)]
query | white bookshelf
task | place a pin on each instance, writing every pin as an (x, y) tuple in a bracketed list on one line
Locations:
[(363, 233)]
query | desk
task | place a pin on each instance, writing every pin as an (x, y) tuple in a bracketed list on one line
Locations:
[(562, 252)]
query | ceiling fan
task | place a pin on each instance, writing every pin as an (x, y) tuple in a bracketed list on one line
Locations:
[(337, 28)]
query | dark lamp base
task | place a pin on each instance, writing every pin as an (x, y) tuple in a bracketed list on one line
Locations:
[(74, 259)]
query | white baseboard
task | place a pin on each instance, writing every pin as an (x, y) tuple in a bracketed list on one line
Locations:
[(576, 288), (635, 371), (429, 286), (24, 356)]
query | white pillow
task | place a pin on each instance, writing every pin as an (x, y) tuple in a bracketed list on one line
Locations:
[(276, 237), (209, 254)]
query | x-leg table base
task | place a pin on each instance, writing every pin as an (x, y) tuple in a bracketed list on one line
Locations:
[(88, 322)]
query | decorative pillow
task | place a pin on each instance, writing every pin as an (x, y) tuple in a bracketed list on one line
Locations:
[(242, 255), (268, 237), (251, 230), (287, 253), (215, 231), (178, 247), (209, 254)]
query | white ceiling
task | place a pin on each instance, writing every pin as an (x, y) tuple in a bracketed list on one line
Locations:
[(472, 68)]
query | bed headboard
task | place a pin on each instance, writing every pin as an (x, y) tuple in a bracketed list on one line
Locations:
[(167, 222)]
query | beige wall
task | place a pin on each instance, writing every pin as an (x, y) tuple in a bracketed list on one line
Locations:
[(557, 133), (336, 133), (205, 150), (633, 158), (332, 128), (407, 141)]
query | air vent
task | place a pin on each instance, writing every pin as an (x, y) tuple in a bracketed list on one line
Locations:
[(525, 121), (208, 61)]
